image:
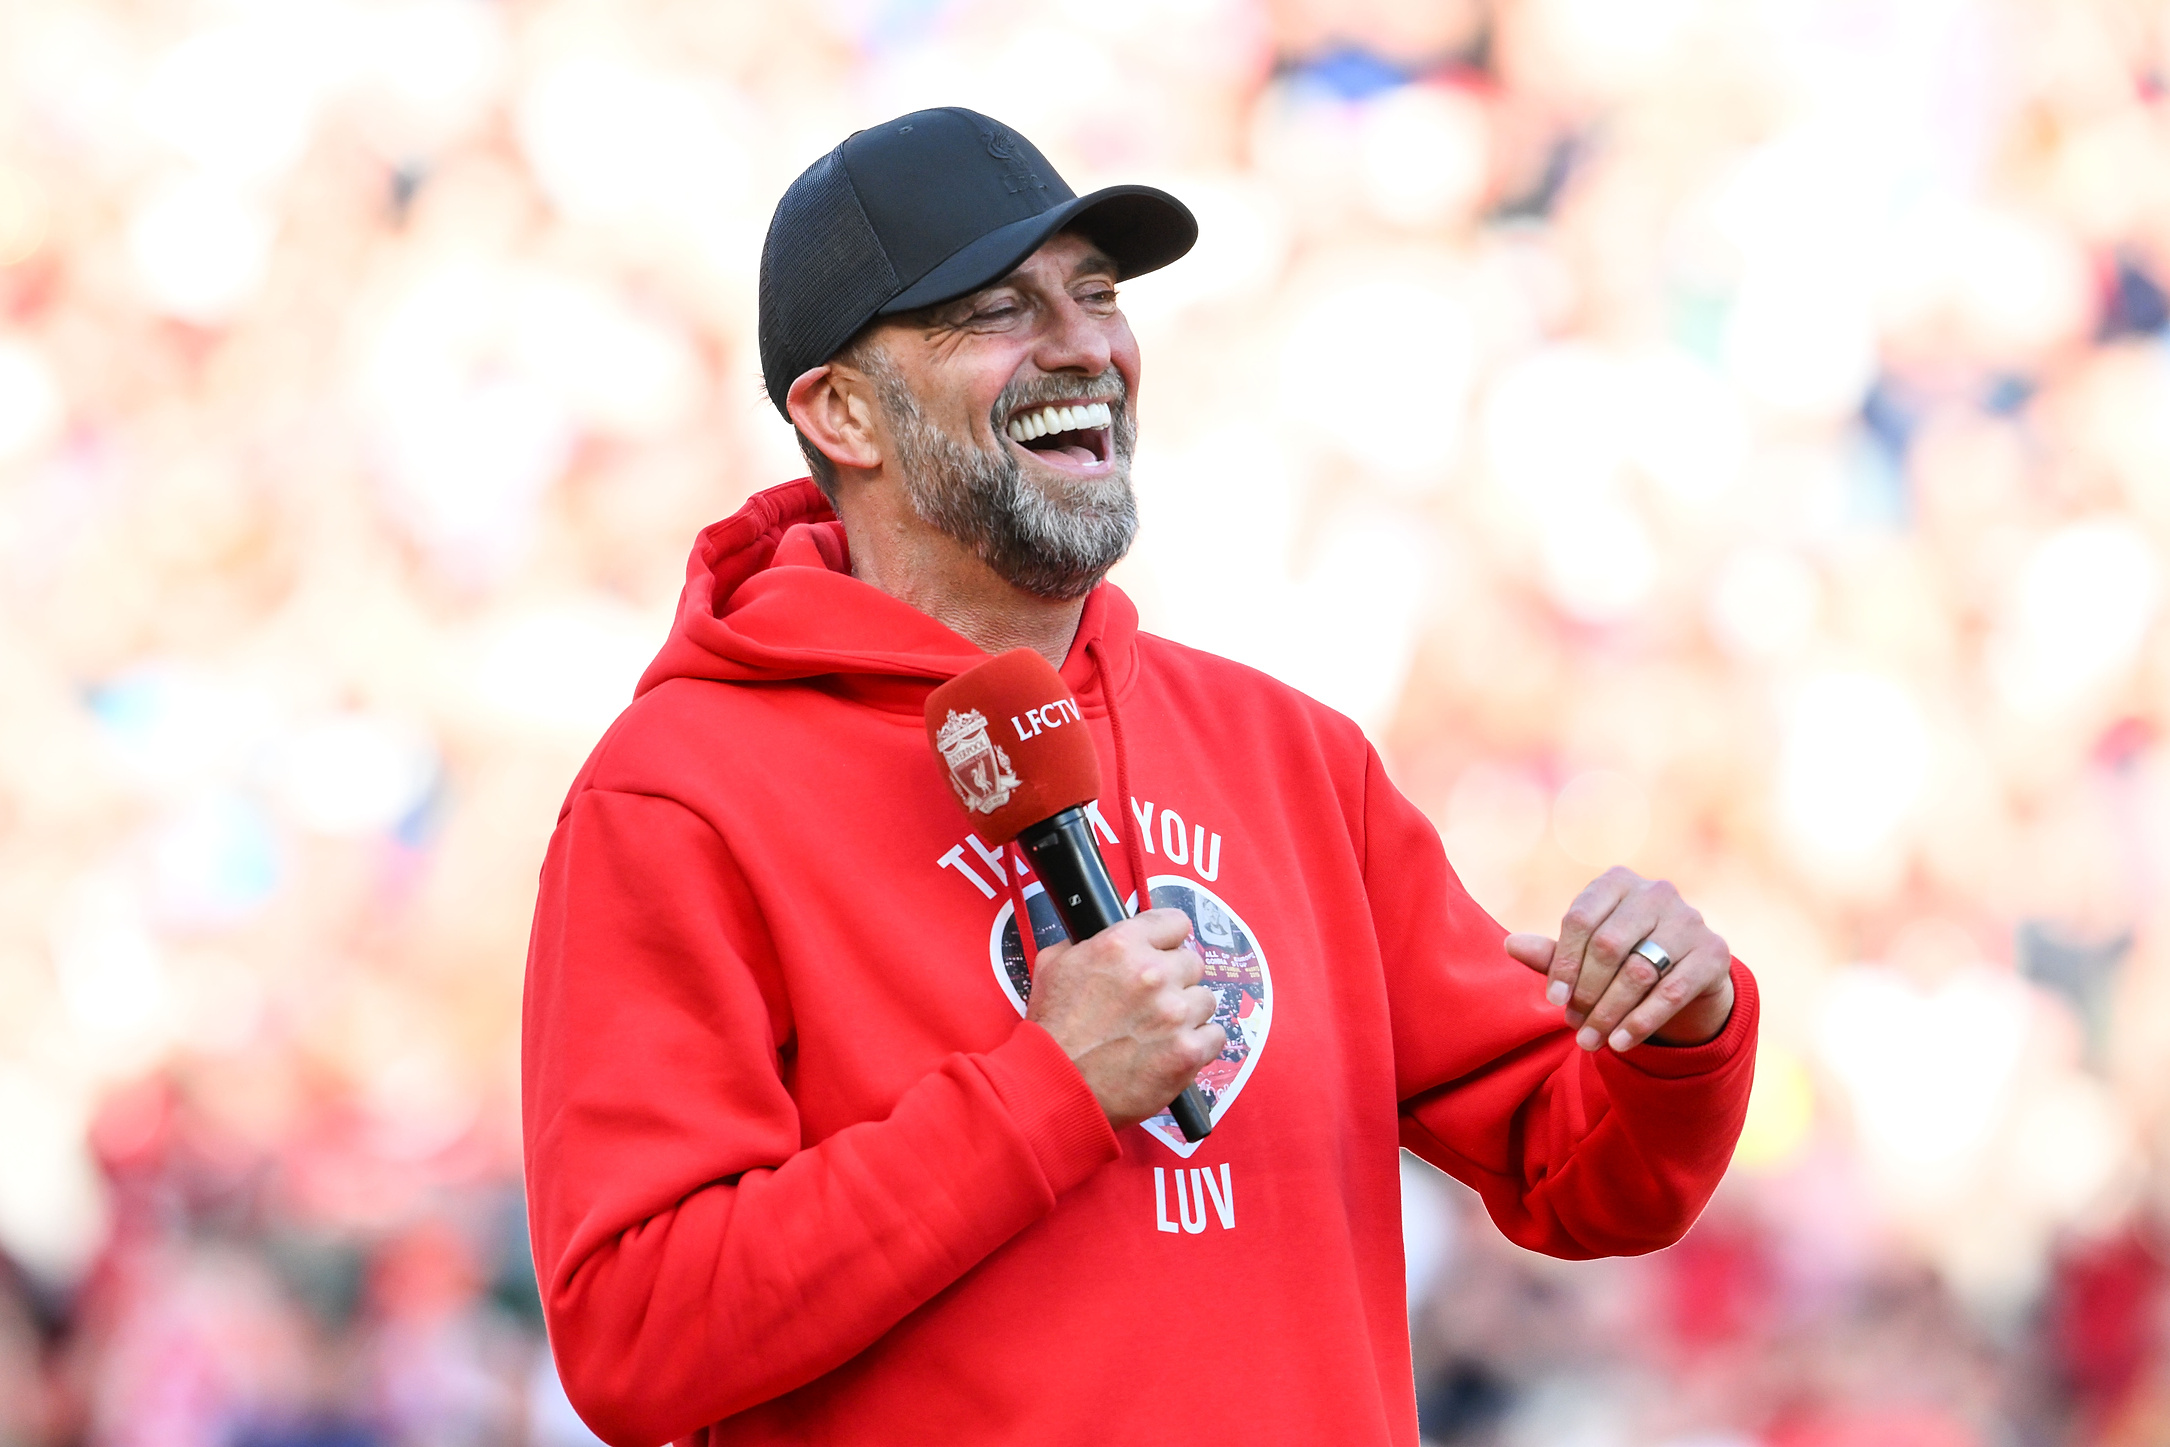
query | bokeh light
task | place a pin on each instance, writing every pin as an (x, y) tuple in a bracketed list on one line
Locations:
[(1728, 439)]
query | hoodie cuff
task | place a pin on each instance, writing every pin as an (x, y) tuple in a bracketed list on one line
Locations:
[(1054, 1108), (1677, 1062)]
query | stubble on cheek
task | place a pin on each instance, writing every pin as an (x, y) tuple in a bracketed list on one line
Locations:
[(1045, 534)]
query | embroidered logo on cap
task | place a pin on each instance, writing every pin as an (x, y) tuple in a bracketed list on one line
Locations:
[(1003, 146)]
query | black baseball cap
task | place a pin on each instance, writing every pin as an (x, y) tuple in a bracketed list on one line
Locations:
[(919, 210)]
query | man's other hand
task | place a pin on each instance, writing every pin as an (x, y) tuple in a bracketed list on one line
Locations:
[(1614, 996), (1127, 1007)]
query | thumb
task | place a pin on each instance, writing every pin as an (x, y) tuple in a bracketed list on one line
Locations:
[(1533, 950)]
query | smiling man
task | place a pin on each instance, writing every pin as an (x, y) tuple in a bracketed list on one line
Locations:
[(830, 1136), (1012, 477)]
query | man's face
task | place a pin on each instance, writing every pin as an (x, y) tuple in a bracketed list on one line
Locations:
[(1011, 419)]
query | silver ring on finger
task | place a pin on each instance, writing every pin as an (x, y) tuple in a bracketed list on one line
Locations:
[(1654, 952)]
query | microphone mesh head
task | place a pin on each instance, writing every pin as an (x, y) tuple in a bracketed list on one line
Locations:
[(1012, 742)]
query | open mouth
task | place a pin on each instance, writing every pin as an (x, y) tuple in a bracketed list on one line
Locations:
[(1073, 436)]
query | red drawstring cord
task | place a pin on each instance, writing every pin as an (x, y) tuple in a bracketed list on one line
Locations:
[(1013, 865), (1013, 860), (1131, 847)]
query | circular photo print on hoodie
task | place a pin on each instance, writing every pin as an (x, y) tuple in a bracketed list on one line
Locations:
[(1235, 972)]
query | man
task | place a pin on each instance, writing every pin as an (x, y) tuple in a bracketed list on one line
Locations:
[(814, 1154)]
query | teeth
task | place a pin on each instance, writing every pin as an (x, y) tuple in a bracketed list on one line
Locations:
[(1029, 425)]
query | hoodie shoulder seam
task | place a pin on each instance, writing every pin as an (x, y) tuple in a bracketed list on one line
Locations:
[(723, 840), (767, 966), (1298, 696), (706, 822)]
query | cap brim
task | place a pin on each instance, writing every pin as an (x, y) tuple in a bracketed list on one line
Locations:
[(1140, 227)]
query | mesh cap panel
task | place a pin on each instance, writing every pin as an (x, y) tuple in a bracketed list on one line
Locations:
[(823, 275)]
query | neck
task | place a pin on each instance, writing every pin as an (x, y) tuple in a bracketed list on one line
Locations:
[(894, 550)]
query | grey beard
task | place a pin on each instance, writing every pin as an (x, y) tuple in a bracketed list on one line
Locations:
[(1052, 540)]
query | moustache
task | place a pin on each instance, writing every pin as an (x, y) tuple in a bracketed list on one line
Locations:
[(1042, 390)]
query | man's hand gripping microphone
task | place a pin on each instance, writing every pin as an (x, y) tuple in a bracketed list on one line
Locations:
[(1031, 783)]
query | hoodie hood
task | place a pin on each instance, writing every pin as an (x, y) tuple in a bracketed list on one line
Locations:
[(769, 596)]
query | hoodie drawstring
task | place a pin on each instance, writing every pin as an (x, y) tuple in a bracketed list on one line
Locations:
[(1131, 847), (1013, 857), (1013, 866)]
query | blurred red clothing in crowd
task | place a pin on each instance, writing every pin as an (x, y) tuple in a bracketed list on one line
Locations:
[(2106, 1327)]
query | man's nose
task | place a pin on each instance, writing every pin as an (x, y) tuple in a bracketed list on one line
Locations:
[(1075, 340)]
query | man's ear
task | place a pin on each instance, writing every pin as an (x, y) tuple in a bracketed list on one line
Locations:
[(831, 405)]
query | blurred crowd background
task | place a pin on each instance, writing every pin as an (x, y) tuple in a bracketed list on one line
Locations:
[(1730, 437)]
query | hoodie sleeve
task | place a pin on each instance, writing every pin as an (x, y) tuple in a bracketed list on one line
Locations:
[(695, 1257), (1576, 1154)]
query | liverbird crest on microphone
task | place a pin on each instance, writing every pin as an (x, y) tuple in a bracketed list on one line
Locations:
[(978, 768)]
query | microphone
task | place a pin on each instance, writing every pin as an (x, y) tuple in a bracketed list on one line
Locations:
[(1013, 744)]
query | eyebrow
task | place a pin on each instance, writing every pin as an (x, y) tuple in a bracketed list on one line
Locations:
[(1096, 262), (1091, 264)]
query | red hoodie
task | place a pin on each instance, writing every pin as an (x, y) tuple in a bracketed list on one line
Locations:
[(799, 1171)]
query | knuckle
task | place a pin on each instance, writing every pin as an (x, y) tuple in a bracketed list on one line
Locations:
[(1141, 929), (1640, 974), (1582, 917)]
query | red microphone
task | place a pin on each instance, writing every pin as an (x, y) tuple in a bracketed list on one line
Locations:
[(1014, 745)]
